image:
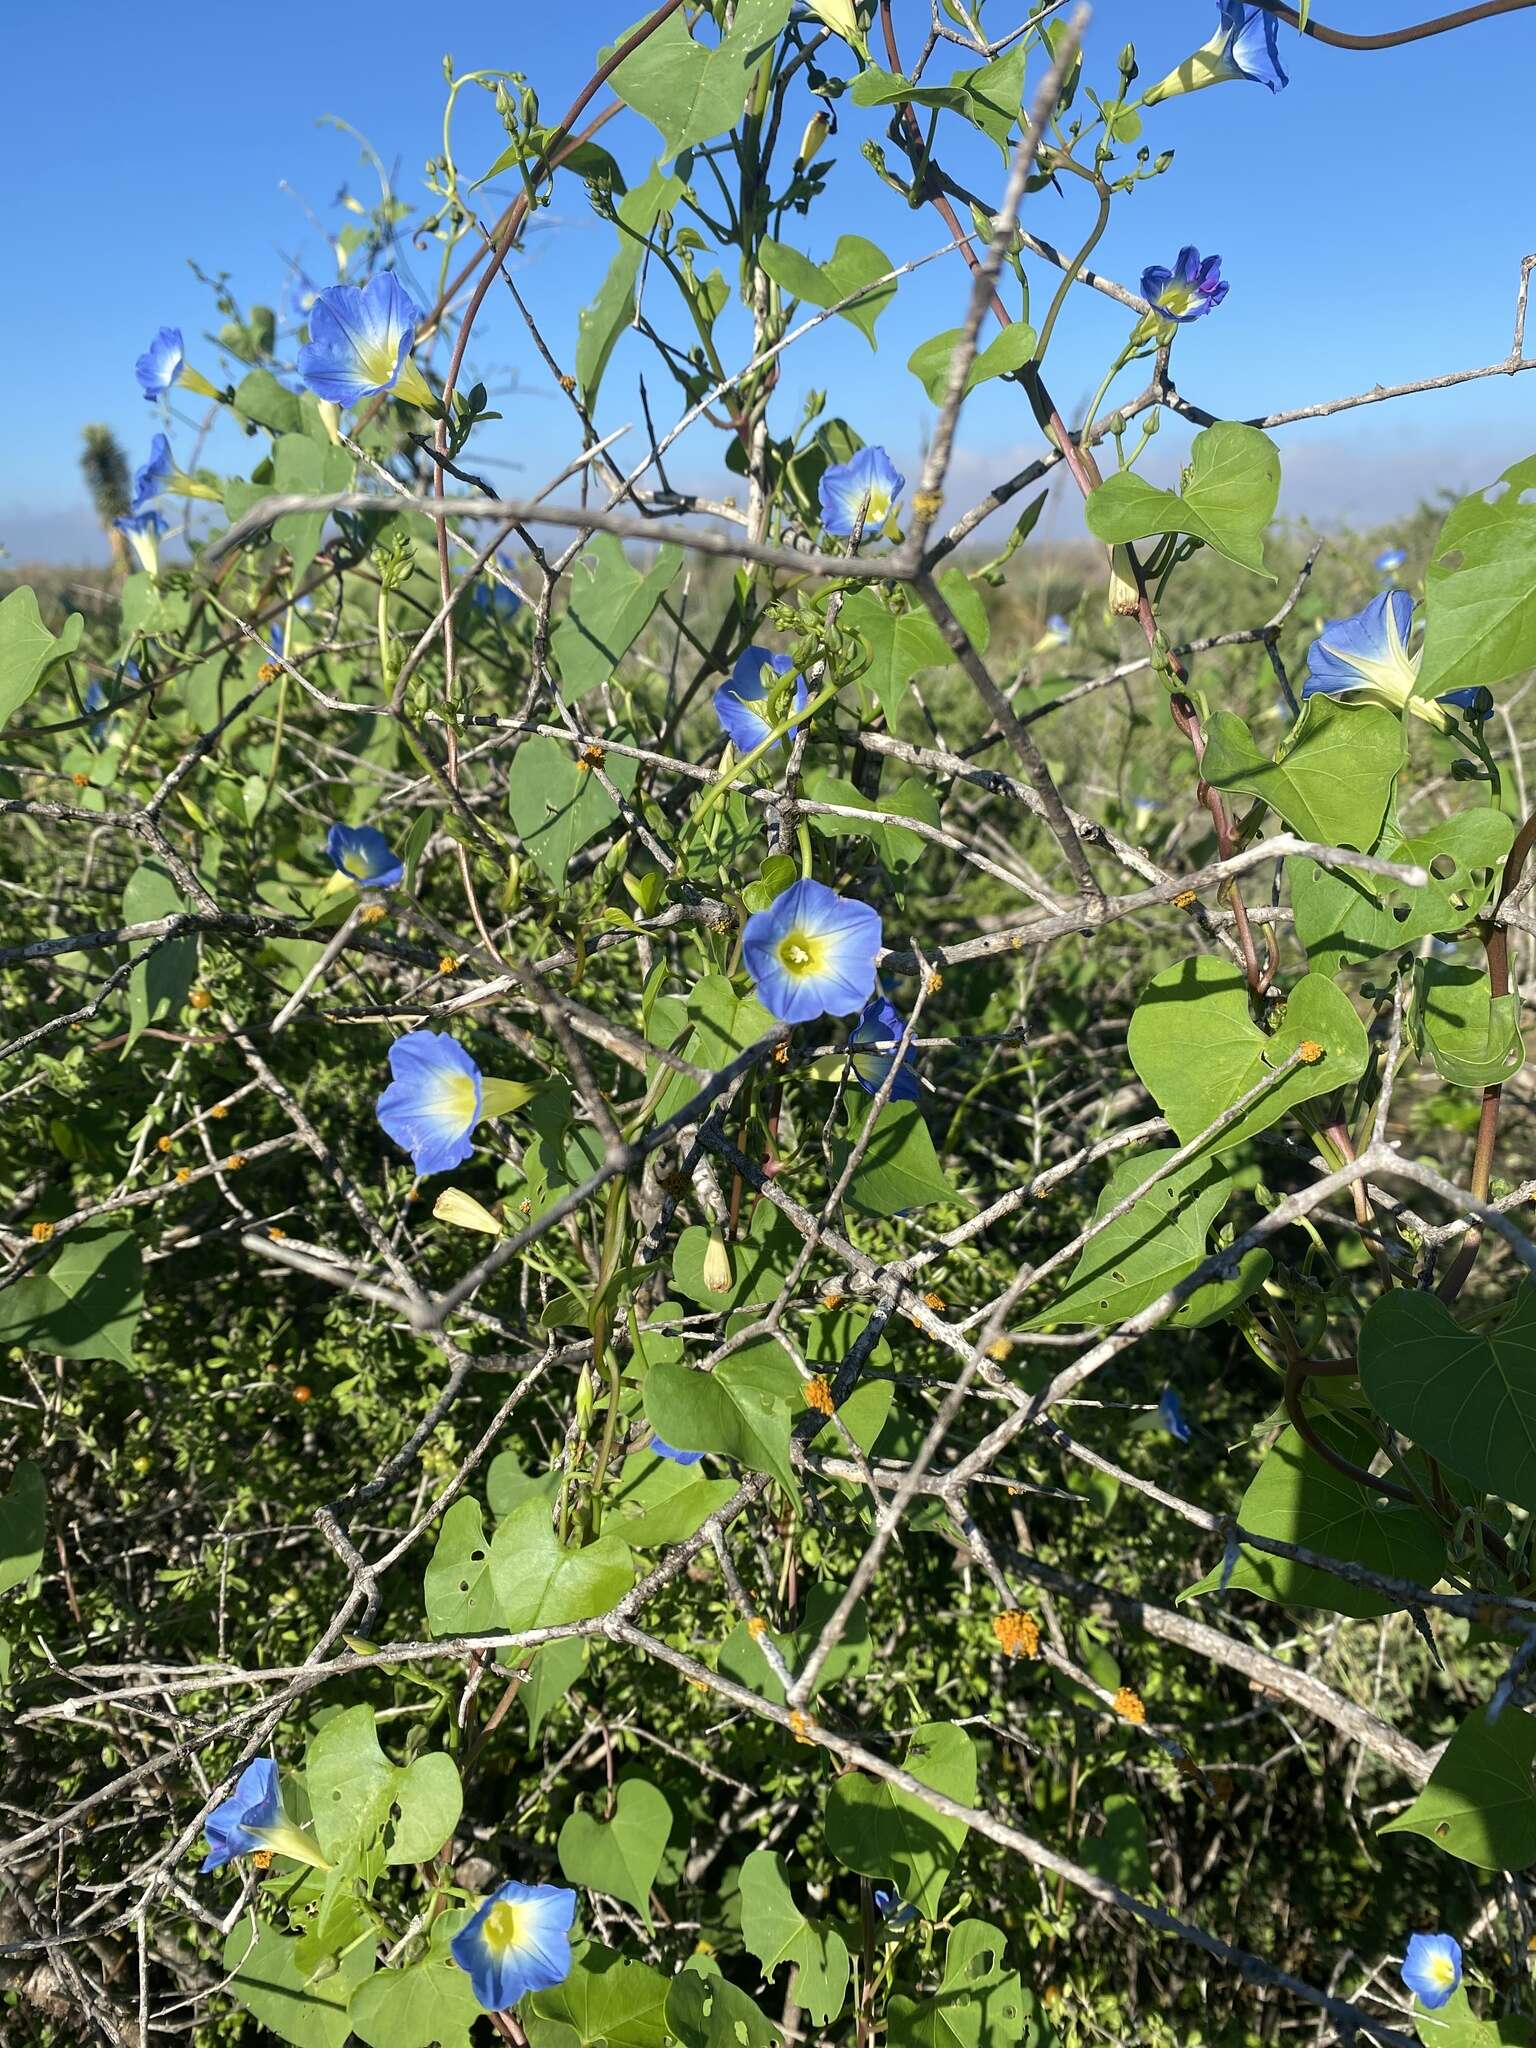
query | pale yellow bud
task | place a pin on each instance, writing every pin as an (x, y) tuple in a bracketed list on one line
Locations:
[(464, 1212)]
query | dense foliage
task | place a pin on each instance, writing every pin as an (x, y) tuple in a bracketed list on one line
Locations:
[(763, 1273)]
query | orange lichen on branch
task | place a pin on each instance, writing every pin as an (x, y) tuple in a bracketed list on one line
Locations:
[(1017, 1632)]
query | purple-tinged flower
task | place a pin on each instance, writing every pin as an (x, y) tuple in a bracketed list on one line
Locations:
[(1364, 659), (1432, 1969), (1171, 1415), (253, 1821), (152, 478), (519, 1941), (874, 1040), (164, 363), (1193, 288), (812, 953), (737, 702), (889, 1905), (432, 1103), (1390, 560), (860, 495), (364, 856), (1245, 46), (143, 531), (666, 1450), (360, 342)]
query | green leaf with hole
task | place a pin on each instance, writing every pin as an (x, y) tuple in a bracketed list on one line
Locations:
[(1480, 588), (557, 805), (1331, 781), (1465, 1396), (606, 2000), (1480, 1801), (23, 1525), (1297, 1497), (980, 2003), (881, 1830), (1196, 1047), (1472, 1035), (854, 263), (28, 650), (1345, 918), (350, 1782), (1226, 497), (705, 2010), (610, 605), (900, 1169), (86, 1305), (691, 91), (1005, 354), (777, 1932), (620, 1856), (1153, 1245), (265, 1976), (460, 1600), (540, 1582)]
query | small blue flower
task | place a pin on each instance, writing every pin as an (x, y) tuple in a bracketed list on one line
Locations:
[(1390, 560), (253, 1820), (1364, 659), (1246, 45), (519, 1941), (1432, 1969), (736, 701), (812, 952), (364, 856), (861, 494), (1193, 288), (1171, 1416), (888, 1904), (875, 1038), (153, 477), (432, 1103), (666, 1450), (360, 342), (1143, 810), (161, 363), (143, 531)]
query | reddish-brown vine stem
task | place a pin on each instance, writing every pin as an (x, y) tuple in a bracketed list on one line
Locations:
[(1394, 38)]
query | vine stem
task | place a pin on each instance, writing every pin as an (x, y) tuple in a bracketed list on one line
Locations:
[(1394, 38)]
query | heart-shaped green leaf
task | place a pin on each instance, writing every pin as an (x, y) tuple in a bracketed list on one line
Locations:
[(540, 1582), (86, 1305), (557, 804), (1153, 1245), (268, 1982), (1194, 1043), (1480, 1801), (777, 1932), (743, 1408), (1479, 590), (1332, 780), (853, 263), (457, 1583), (882, 1831), (606, 1999), (620, 1856), (1227, 497), (1468, 1399)]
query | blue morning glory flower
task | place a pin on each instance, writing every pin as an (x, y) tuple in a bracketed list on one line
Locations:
[(875, 1038), (1390, 560), (812, 952), (860, 494), (490, 596), (360, 342), (153, 477), (164, 363), (736, 702), (253, 1820), (432, 1103), (1432, 1969), (666, 1450), (1193, 288), (364, 856), (1143, 810), (1246, 45), (1364, 659), (1171, 1415), (518, 1942), (143, 531), (888, 1904)]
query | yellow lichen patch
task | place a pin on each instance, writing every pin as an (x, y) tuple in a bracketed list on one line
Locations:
[(757, 1628), (234, 1162), (448, 964), (832, 1299), (1309, 1052), (1129, 1705), (934, 1299), (1017, 1632), (818, 1395), (276, 1233), (183, 1175), (41, 1232), (800, 1726), (371, 913), (592, 756), (933, 981), (261, 1859), (1185, 900), (80, 780), (219, 1109), (269, 672), (163, 1144), (1000, 1349)]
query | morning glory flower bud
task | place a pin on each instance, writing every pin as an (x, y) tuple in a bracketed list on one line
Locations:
[(518, 1942), (1193, 288), (738, 702), (1432, 1969), (164, 363), (717, 1264), (1365, 660), (362, 854), (1123, 599), (1390, 560), (454, 1206), (1246, 45), (253, 1821), (874, 1040), (432, 1103), (1143, 810), (360, 342), (1171, 1415), (143, 531), (860, 495), (812, 953)]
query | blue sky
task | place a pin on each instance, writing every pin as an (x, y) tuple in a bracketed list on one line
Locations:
[(1371, 220)]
